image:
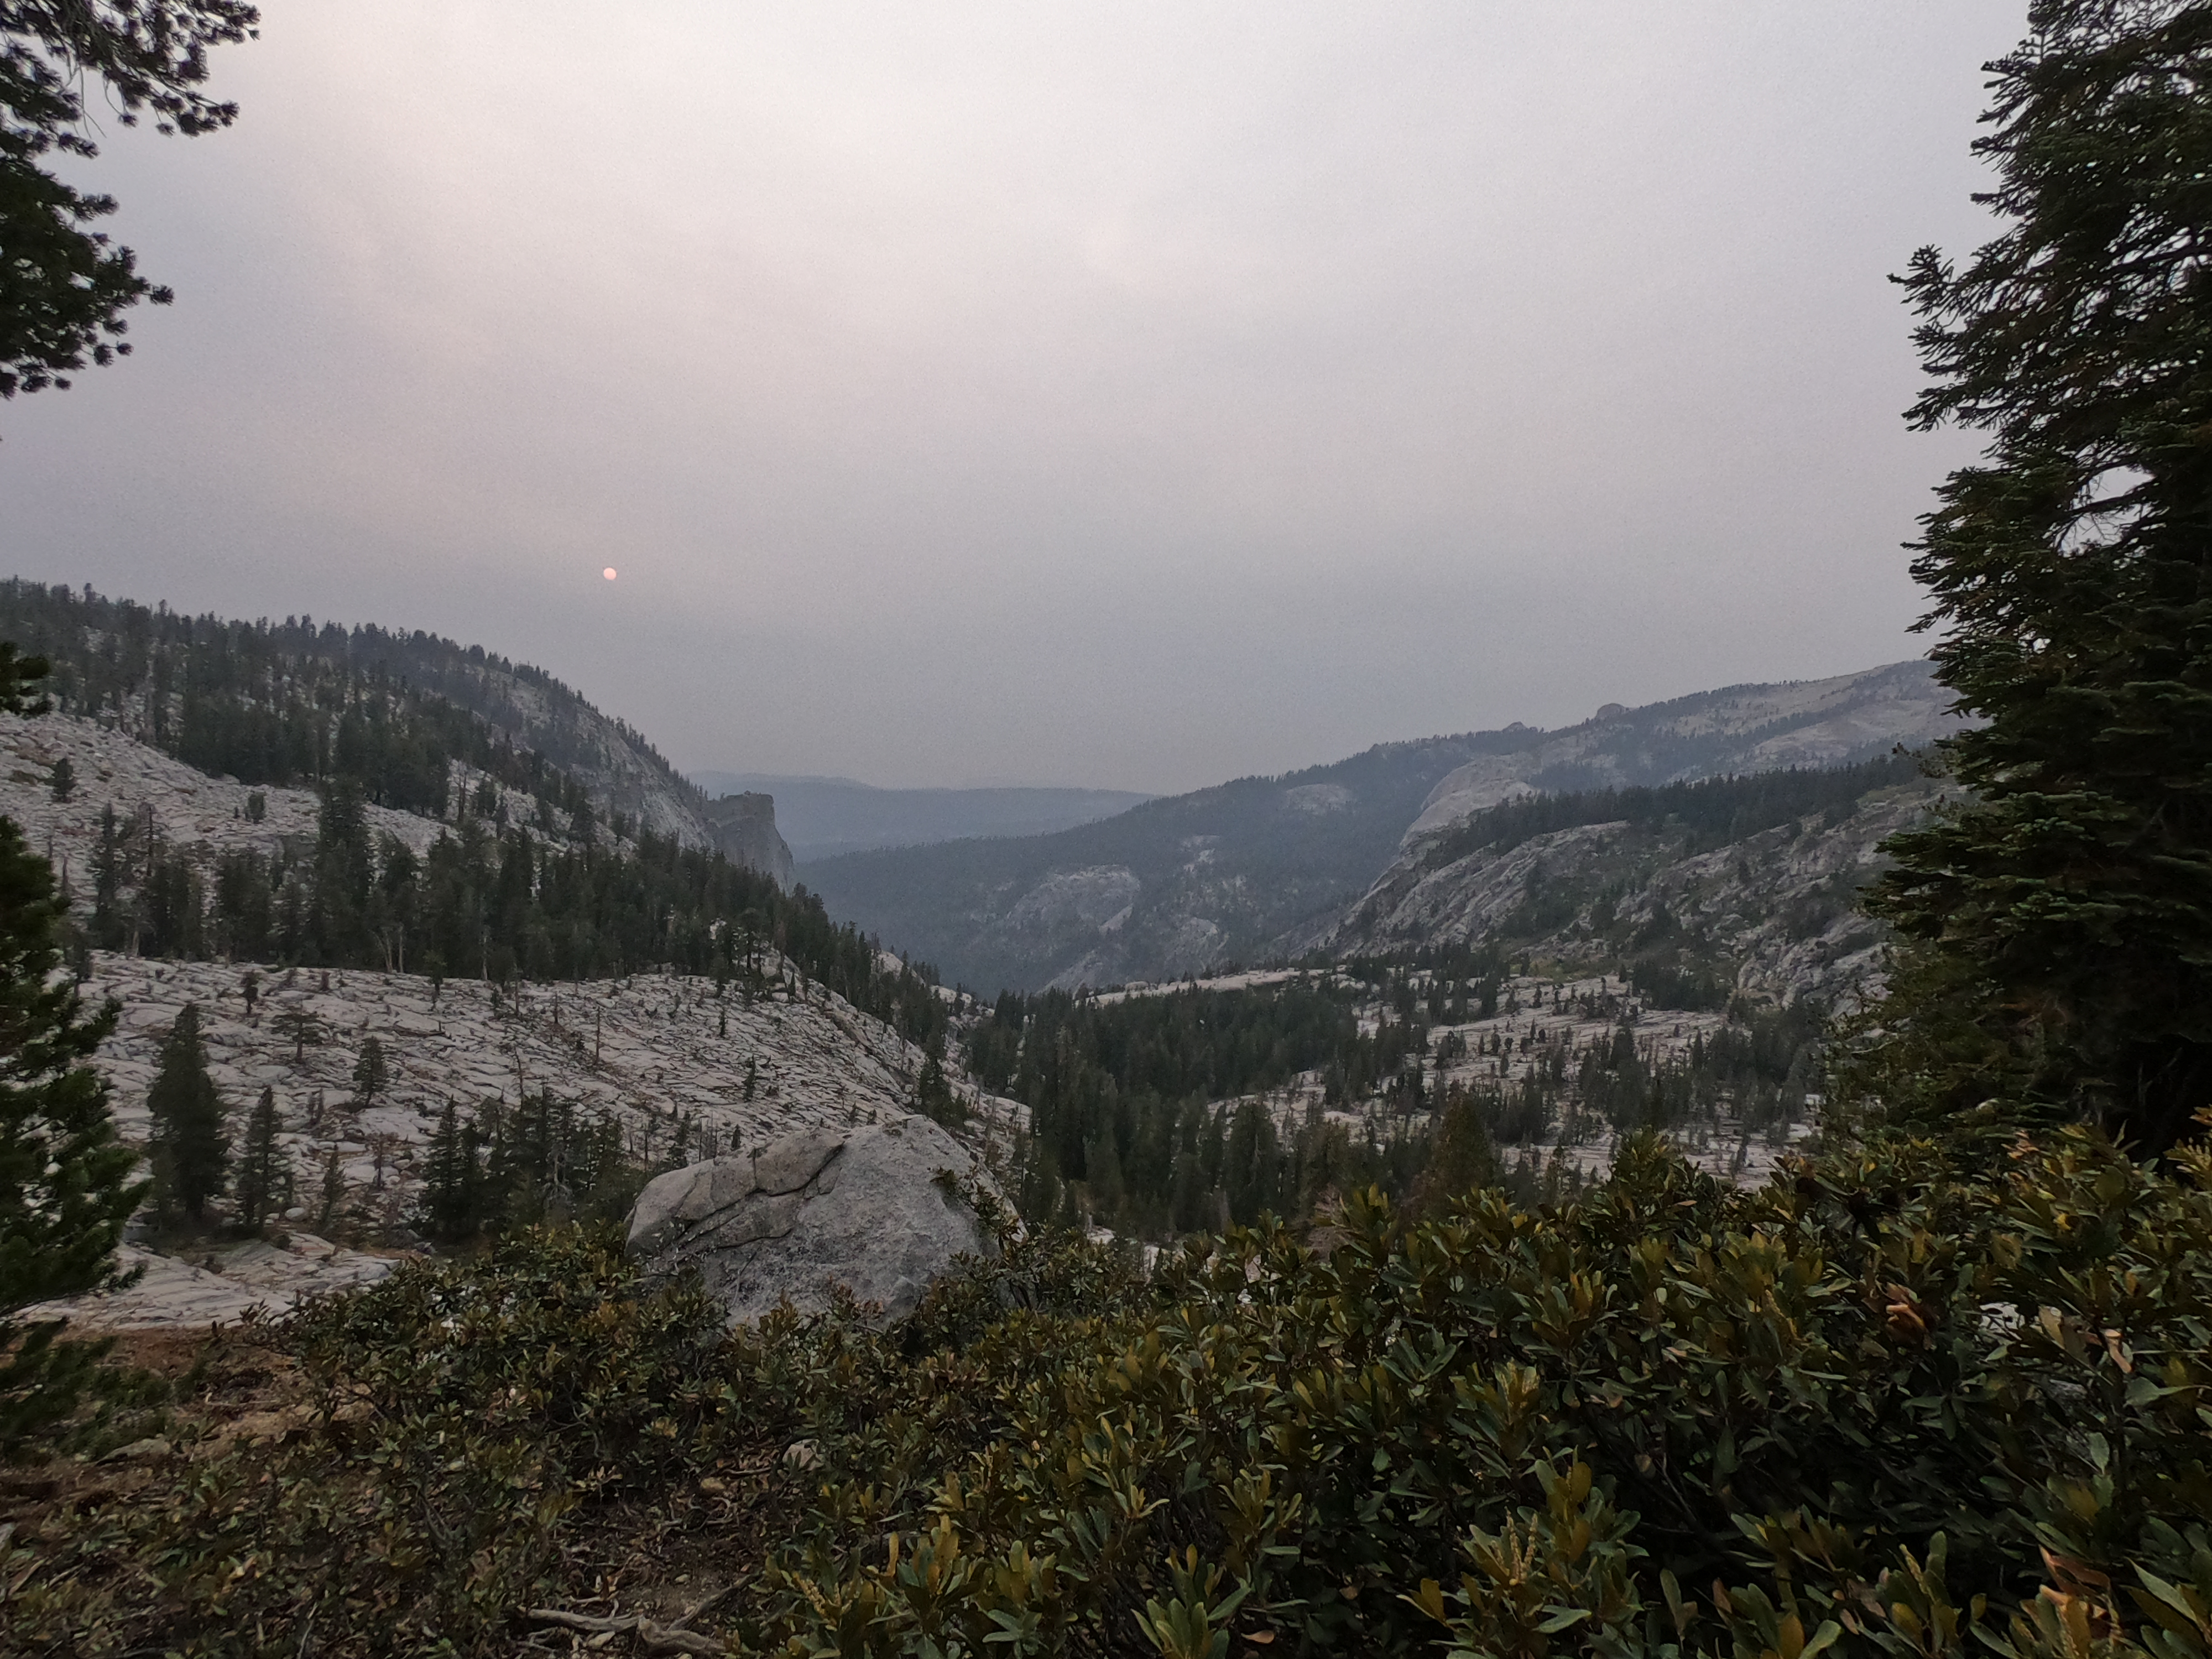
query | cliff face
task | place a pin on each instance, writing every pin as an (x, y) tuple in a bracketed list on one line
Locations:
[(744, 832), (1771, 915)]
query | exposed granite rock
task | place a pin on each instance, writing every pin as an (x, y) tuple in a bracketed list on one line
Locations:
[(871, 1209), (217, 1284), (745, 831), (1777, 908)]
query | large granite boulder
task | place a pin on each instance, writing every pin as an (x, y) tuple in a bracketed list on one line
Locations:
[(866, 1208)]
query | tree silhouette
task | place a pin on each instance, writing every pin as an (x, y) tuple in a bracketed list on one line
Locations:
[(2062, 915), (189, 1150), (261, 1164), (66, 1183)]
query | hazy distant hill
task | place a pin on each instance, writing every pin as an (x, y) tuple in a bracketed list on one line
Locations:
[(1172, 886), (1267, 865), (823, 817)]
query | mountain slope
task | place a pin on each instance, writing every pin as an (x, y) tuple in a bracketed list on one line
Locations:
[(1266, 867), (1738, 729), (1170, 887), (293, 702), (1744, 885)]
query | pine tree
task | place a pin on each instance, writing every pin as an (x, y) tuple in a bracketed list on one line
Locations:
[(188, 1149), (109, 872), (933, 1096), (260, 1166), (334, 1187), (66, 1184), (2060, 920), (302, 1027), (452, 1182), (1461, 1158), (368, 1072)]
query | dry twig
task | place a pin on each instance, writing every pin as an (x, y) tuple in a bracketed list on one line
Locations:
[(651, 1637)]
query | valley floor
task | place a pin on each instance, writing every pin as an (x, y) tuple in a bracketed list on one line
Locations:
[(1545, 1027)]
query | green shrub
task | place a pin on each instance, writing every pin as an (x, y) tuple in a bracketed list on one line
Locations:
[(1879, 1406)]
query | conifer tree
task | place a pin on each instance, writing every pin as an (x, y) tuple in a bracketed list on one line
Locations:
[(1461, 1158), (334, 1186), (2060, 921), (451, 1179), (67, 1185), (369, 1072), (302, 1027), (64, 287), (933, 1094), (260, 1165), (189, 1151)]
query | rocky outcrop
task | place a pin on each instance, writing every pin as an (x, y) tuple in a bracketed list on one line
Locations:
[(224, 1282), (1775, 913), (744, 828), (876, 1210)]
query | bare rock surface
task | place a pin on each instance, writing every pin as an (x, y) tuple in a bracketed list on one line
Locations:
[(1780, 905), (662, 1054), (875, 1210), (217, 1284)]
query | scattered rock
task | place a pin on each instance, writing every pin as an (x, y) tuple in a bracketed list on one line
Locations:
[(869, 1208), (152, 1449), (255, 1276), (802, 1456)]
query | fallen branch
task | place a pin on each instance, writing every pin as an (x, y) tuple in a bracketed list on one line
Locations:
[(652, 1638)]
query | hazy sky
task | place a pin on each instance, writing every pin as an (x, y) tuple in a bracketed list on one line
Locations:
[(1134, 395)]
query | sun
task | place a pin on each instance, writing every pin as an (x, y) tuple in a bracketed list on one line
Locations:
[(609, 573)]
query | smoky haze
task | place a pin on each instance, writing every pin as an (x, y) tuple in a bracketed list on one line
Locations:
[(1128, 396)]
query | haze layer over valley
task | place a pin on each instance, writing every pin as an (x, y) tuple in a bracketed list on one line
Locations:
[(1321, 859), (823, 817)]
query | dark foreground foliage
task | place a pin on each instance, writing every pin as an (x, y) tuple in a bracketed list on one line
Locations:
[(1873, 1408)]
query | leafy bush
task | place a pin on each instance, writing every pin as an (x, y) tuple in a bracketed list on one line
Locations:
[(1879, 1406)]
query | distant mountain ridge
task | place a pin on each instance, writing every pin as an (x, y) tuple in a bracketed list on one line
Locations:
[(1737, 728), (1271, 865), (824, 818)]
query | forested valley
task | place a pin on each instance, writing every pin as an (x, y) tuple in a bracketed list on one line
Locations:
[(1179, 1111)]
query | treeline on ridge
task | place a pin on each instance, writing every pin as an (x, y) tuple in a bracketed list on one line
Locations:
[(293, 703), (1708, 813)]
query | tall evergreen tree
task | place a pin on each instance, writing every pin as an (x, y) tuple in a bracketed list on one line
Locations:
[(261, 1164), (2059, 923), (334, 1187), (369, 1072), (452, 1178), (189, 1151), (66, 1184), (1461, 1158)]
